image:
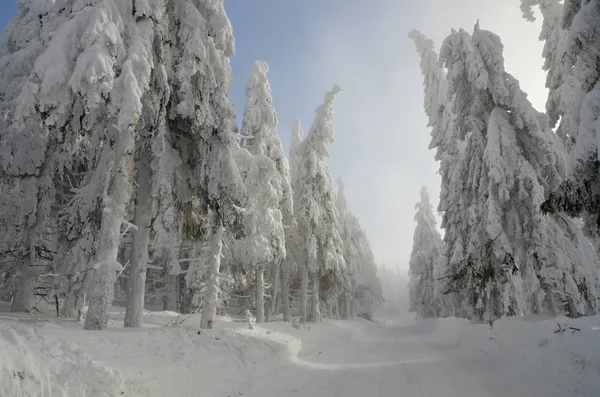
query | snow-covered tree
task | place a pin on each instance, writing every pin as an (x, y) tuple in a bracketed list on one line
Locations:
[(291, 234), (425, 261), (315, 212), (447, 139), (263, 239), (205, 278), (579, 195), (507, 262), (365, 291), (26, 183), (270, 191), (564, 88)]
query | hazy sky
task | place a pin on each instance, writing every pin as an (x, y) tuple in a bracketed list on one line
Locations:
[(381, 129)]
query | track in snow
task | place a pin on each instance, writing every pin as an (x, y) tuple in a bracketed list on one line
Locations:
[(382, 362)]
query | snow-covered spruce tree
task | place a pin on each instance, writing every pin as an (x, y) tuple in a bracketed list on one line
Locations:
[(154, 177), (315, 212), (203, 115), (204, 276), (260, 126), (448, 140), (580, 194), (425, 261), (262, 240), (170, 174), (365, 291), (26, 178), (290, 268), (507, 263), (564, 89)]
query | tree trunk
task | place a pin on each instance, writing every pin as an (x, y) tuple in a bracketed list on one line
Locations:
[(304, 295), (272, 307), (315, 313), (24, 298), (187, 306), (285, 292), (74, 298), (336, 309), (347, 309), (260, 296), (136, 287), (104, 273), (209, 305), (170, 302)]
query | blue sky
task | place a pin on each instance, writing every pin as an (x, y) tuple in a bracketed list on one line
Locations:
[(381, 129)]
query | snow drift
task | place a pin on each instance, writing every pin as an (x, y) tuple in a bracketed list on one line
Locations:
[(32, 366)]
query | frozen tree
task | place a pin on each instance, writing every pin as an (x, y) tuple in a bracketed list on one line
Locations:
[(260, 126), (203, 114), (579, 195), (74, 78), (501, 263), (365, 291), (263, 239), (315, 212), (101, 78), (296, 139), (447, 139), (291, 233), (204, 277), (583, 52), (26, 180), (154, 169), (564, 88), (425, 261)]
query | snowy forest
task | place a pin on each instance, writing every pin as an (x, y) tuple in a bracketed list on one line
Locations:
[(123, 175), (224, 251)]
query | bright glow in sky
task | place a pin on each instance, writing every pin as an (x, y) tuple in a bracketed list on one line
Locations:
[(381, 129)]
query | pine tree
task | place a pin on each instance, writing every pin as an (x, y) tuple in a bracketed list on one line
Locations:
[(365, 291), (579, 195), (563, 87), (449, 142), (502, 265), (314, 209), (425, 261), (26, 185), (263, 239), (291, 237), (259, 124)]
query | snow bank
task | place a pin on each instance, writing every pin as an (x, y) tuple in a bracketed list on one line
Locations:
[(560, 352), (31, 366), (162, 359)]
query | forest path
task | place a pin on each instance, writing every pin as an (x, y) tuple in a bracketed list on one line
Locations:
[(385, 362)]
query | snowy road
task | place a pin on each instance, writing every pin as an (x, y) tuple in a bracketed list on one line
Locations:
[(381, 362)]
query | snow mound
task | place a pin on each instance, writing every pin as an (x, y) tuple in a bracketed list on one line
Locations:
[(30, 366)]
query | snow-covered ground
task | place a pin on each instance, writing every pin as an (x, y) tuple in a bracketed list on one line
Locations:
[(41, 356)]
